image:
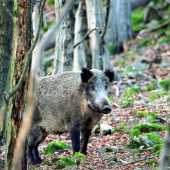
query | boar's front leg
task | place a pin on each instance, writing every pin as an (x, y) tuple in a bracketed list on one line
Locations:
[(75, 138), (85, 138)]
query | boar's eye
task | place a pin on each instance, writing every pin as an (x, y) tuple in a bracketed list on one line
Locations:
[(106, 87)]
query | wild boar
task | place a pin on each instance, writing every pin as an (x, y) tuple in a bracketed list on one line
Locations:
[(69, 102)]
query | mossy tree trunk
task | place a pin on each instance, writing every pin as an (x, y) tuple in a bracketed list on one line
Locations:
[(22, 43), (6, 42), (64, 39)]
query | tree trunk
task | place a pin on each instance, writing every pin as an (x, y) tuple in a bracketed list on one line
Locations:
[(6, 40), (22, 43), (64, 39), (95, 18), (136, 3), (119, 28), (35, 18), (82, 53)]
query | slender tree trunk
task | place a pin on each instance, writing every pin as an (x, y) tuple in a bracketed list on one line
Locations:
[(6, 40), (82, 53), (23, 38), (64, 39), (119, 28)]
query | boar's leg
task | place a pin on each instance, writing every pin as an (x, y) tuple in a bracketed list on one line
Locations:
[(33, 153), (85, 138), (75, 138)]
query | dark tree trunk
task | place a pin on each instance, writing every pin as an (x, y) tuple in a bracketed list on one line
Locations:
[(23, 38)]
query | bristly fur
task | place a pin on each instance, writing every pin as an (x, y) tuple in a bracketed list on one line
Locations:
[(86, 75), (109, 74)]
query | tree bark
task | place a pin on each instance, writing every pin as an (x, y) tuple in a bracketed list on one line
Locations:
[(119, 27), (6, 40), (64, 39), (22, 43), (82, 53), (136, 3)]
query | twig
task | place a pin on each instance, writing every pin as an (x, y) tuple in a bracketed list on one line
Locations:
[(155, 28), (117, 88), (31, 100), (139, 160), (106, 19), (75, 45), (7, 10)]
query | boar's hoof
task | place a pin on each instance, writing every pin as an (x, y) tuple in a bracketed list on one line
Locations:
[(106, 110)]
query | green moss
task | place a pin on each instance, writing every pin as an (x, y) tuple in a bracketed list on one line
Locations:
[(150, 88), (51, 2), (135, 132), (134, 89), (78, 155), (157, 147), (156, 153), (66, 161), (163, 128), (137, 18), (118, 63), (165, 39), (130, 53), (154, 137), (165, 84), (53, 147), (146, 42), (47, 163), (148, 127), (48, 63), (116, 129), (157, 95), (124, 125), (134, 143), (139, 112), (152, 162), (54, 160)]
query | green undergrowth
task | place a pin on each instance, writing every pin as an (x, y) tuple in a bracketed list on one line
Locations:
[(146, 42), (165, 39), (66, 161), (53, 147), (165, 84), (128, 103), (130, 53), (150, 88), (142, 113), (51, 2), (149, 127), (135, 132), (134, 89), (158, 95), (152, 162)]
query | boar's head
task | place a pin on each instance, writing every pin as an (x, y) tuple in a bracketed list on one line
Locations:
[(96, 85)]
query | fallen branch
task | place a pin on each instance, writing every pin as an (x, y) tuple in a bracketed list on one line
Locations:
[(138, 160), (155, 28), (75, 45)]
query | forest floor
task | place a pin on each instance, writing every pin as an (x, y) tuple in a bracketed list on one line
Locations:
[(140, 67)]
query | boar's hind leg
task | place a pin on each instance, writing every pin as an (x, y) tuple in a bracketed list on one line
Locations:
[(33, 148), (85, 137), (75, 138)]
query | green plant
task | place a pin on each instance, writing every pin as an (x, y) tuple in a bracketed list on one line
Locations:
[(53, 147), (139, 112), (111, 98), (128, 103), (134, 89), (165, 84), (130, 53), (135, 132), (48, 63), (152, 162), (146, 42), (152, 87)]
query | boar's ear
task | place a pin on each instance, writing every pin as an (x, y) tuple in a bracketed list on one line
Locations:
[(86, 75), (109, 74)]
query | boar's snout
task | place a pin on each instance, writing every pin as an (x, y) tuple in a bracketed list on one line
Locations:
[(106, 109)]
